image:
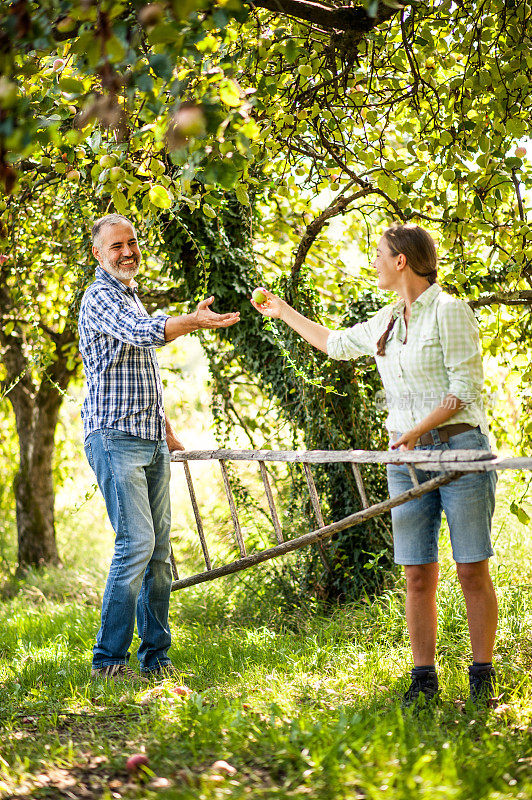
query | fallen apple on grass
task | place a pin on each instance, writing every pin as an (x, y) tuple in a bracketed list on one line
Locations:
[(182, 691), (223, 768), (136, 762)]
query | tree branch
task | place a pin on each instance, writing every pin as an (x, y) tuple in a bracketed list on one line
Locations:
[(523, 297), (345, 18), (312, 230), (54, 335)]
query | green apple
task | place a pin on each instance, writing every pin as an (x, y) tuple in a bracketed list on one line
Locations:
[(116, 174), (258, 295), (106, 161), (8, 93), (73, 176), (66, 24)]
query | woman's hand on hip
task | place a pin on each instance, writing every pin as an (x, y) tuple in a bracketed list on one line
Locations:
[(407, 441)]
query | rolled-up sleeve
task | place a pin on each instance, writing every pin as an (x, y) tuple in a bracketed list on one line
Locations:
[(359, 340), (115, 317), (460, 343)]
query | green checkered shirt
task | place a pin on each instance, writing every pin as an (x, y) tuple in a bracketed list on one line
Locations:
[(439, 356)]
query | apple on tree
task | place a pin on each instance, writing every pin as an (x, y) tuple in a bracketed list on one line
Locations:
[(106, 161)]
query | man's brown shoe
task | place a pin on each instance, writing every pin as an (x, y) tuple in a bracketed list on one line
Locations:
[(162, 672), (117, 672)]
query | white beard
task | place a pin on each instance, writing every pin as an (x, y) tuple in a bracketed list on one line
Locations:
[(122, 273)]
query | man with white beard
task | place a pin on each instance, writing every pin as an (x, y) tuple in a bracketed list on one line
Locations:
[(128, 440)]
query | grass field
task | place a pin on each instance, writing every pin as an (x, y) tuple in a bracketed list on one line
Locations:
[(300, 700)]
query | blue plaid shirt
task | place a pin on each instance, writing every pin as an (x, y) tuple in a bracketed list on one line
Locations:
[(117, 340)]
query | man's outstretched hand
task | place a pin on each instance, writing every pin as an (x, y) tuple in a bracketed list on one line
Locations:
[(204, 317)]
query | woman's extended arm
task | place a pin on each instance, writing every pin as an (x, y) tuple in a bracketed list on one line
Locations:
[(313, 332)]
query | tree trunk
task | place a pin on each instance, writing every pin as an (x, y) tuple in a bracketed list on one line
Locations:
[(36, 406), (33, 484)]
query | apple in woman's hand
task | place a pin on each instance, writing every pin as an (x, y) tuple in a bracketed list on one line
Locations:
[(258, 295)]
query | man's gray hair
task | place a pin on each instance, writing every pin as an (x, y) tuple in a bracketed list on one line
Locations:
[(102, 222)]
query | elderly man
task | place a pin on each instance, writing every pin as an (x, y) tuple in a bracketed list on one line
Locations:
[(128, 440)]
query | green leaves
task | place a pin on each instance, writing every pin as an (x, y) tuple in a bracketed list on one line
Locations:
[(71, 85), (242, 194), (208, 211), (229, 93), (521, 514), (159, 197), (516, 127), (426, 124)]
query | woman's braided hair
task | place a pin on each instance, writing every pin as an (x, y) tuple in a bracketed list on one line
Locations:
[(419, 249)]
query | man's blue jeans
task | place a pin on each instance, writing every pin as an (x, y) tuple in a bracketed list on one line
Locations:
[(134, 477)]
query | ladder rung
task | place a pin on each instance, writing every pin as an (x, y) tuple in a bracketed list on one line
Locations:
[(269, 495), (232, 507), (199, 524), (173, 565), (360, 485), (413, 475), (314, 499)]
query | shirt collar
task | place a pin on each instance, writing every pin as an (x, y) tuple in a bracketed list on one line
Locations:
[(426, 297), (102, 274)]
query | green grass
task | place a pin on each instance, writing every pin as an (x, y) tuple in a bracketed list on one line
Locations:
[(303, 702), (304, 707)]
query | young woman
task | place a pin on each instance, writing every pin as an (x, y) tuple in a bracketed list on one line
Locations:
[(427, 350)]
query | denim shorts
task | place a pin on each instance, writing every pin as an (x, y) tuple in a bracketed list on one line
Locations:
[(468, 503)]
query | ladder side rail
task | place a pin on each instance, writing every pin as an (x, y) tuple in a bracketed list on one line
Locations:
[(356, 456)]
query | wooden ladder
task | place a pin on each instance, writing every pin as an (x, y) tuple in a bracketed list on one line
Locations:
[(449, 464)]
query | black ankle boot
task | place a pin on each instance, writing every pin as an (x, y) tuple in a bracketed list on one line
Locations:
[(424, 682), (482, 684)]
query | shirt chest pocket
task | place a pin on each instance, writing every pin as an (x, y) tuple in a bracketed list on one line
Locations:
[(429, 340), (429, 351)]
